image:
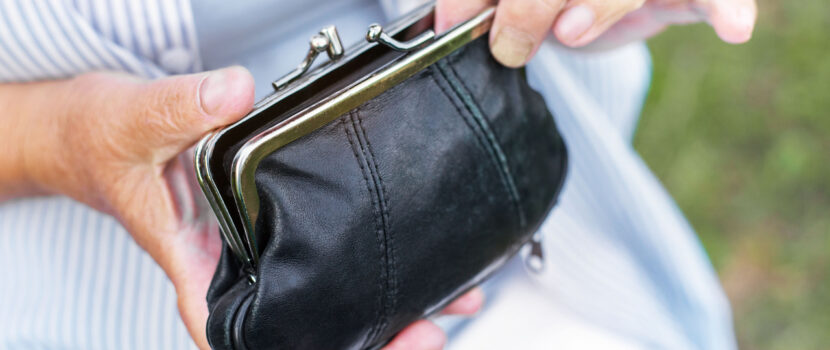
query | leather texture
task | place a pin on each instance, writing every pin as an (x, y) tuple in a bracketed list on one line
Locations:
[(391, 211)]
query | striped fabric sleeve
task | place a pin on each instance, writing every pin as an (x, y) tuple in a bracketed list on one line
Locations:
[(73, 278), (55, 39)]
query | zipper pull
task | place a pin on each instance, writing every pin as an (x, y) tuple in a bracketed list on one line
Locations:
[(535, 259)]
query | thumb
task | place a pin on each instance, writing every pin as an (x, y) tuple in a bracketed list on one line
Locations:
[(179, 110), (733, 20)]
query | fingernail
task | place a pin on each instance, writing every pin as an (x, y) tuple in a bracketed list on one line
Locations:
[(512, 47), (734, 24), (574, 23), (213, 89), (745, 19)]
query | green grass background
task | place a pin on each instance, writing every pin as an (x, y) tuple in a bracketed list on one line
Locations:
[(740, 136)]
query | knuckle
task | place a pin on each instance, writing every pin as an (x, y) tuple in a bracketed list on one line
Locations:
[(514, 13), (165, 110), (161, 124)]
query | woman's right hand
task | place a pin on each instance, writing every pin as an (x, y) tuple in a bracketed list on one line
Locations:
[(117, 143)]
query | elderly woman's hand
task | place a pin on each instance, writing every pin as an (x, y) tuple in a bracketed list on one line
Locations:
[(521, 25), (118, 143)]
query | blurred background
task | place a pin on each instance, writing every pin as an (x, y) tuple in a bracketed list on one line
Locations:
[(740, 136)]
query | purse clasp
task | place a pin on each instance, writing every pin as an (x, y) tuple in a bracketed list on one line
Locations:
[(329, 41), (376, 35), (326, 40)]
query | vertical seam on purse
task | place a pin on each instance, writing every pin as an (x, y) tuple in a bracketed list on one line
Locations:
[(379, 313), (383, 200), (491, 147), (478, 115), (389, 268), (467, 122)]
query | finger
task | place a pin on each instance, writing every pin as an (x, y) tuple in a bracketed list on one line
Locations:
[(733, 20), (194, 313), (467, 304), (451, 12), (177, 111), (519, 28), (583, 21), (421, 335), (638, 25)]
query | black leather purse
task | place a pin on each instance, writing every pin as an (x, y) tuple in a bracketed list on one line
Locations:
[(371, 191)]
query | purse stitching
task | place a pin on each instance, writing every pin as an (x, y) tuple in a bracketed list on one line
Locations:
[(461, 113), (379, 222), (484, 142), (478, 115), (386, 247), (391, 262), (379, 315), (458, 109)]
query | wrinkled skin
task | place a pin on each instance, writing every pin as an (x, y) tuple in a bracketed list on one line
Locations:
[(120, 145)]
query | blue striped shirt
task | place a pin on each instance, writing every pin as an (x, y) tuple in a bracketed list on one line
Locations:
[(623, 267)]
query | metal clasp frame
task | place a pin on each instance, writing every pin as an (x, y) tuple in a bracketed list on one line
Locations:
[(329, 41)]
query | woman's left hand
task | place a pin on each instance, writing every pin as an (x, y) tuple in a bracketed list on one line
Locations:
[(520, 26)]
